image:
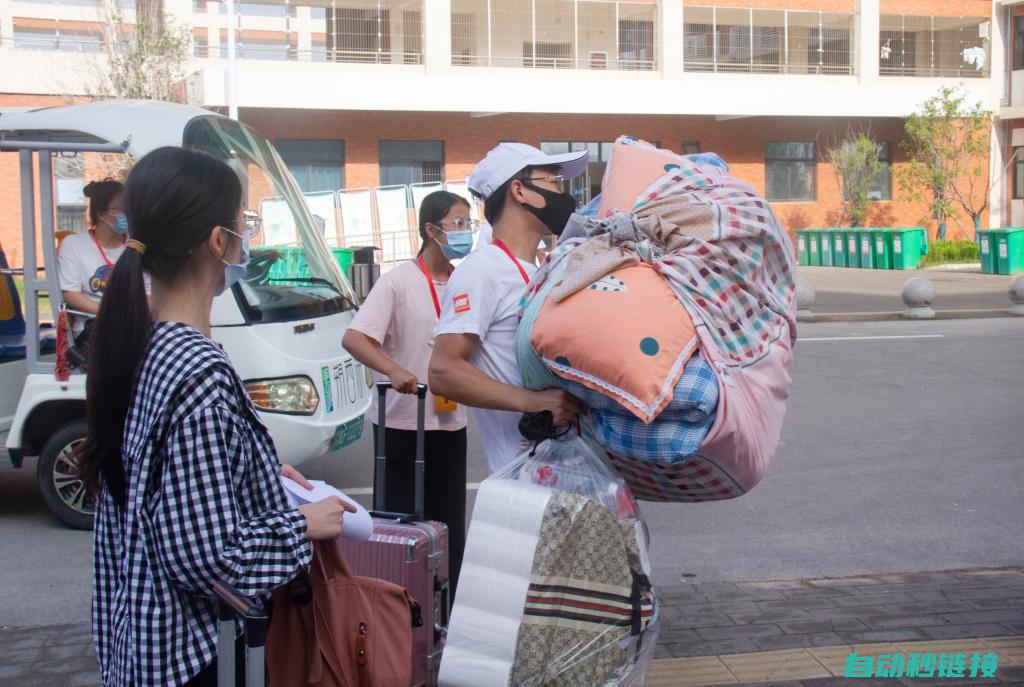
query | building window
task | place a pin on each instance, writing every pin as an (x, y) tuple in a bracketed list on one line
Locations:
[(357, 35), (69, 175), (411, 162), (1018, 173), (882, 190), (412, 37), (927, 46), (789, 171), (50, 38), (316, 164), (636, 44), (1018, 42), (691, 147), (200, 46)]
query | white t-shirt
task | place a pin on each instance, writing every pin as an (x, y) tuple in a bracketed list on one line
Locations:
[(81, 268), (482, 298)]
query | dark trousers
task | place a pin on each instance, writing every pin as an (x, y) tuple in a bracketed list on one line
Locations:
[(444, 496)]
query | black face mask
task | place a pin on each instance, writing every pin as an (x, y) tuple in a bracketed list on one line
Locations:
[(557, 210)]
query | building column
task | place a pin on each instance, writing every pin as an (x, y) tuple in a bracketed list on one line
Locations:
[(866, 40), (670, 37), (7, 24), (1000, 147), (304, 28), (437, 36)]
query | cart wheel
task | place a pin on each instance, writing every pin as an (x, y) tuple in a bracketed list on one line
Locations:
[(65, 494)]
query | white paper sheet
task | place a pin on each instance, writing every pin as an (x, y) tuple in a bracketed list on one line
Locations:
[(357, 526)]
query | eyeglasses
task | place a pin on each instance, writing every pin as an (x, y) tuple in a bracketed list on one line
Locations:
[(558, 180), (253, 225), (462, 224)]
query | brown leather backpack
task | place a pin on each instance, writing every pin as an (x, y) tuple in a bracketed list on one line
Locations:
[(332, 629)]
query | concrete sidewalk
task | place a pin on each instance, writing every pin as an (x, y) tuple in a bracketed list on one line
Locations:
[(856, 294), (787, 632), (799, 632)]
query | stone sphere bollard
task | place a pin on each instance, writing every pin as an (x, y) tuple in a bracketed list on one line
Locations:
[(918, 294), (1017, 296), (804, 300)]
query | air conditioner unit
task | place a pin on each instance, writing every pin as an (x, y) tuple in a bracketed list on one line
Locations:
[(598, 59)]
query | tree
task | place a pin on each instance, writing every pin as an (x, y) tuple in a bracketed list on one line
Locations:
[(856, 163), (145, 60), (947, 145)]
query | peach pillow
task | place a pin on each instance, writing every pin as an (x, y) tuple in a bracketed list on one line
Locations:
[(625, 336)]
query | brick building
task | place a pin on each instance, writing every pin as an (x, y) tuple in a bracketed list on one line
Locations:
[(377, 93)]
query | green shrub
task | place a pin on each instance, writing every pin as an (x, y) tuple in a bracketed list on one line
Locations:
[(951, 252)]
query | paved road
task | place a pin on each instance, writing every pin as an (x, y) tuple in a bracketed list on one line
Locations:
[(899, 454)]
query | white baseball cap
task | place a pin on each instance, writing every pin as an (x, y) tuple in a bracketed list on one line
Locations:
[(508, 159)]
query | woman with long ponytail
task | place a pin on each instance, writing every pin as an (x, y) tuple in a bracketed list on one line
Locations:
[(184, 475)]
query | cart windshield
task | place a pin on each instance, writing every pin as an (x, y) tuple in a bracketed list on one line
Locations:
[(292, 272)]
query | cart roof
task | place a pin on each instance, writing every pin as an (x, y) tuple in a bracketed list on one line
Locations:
[(144, 124)]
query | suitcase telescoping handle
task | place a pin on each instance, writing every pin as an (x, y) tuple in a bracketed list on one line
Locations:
[(231, 606), (379, 459)]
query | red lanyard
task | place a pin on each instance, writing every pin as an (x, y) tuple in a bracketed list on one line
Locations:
[(100, 248), (430, 283), (501, 244)]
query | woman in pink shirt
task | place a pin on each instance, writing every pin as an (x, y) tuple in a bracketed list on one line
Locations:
[(393, 334)]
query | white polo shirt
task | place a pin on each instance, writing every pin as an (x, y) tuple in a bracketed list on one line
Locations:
[(482, 298)]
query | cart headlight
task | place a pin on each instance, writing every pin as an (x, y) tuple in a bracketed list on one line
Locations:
[(288, 395)]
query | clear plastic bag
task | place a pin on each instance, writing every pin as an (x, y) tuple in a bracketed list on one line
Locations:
[(554, 587)]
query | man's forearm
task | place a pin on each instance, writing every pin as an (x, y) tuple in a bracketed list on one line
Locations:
[(460, 381)]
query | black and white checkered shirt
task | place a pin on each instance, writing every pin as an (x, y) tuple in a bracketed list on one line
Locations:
[(204, 502)]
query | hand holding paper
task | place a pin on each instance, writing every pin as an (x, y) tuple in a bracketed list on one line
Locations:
[(357, 526)]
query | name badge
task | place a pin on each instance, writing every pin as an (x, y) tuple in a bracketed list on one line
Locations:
[(444, 405)]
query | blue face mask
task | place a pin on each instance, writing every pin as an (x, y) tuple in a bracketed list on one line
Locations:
[(233, 273), (460, 243), (120, 224)]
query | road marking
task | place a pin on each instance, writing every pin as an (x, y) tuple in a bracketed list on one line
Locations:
[(368, 491), (873, 338)]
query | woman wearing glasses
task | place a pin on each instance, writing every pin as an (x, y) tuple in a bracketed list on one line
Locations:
[(184, 473), (393, 334)]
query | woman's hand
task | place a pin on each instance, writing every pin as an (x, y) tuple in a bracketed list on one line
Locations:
[(295, 476), (324, 518), (403, 381)]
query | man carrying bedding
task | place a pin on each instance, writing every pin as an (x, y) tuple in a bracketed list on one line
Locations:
[(525, 194)]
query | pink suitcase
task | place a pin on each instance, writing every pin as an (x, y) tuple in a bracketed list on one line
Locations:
[(409, 551)]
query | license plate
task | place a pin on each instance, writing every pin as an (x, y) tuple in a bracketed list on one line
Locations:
[(347, 433)]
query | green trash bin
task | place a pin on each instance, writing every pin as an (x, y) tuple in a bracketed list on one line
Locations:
[(881, 248), (1009, 250), (814, 248), (864, 249), (825, 248), (908, 245), (852, 238), (838, 240), (803, 255), (292, 263), (987, 251)]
